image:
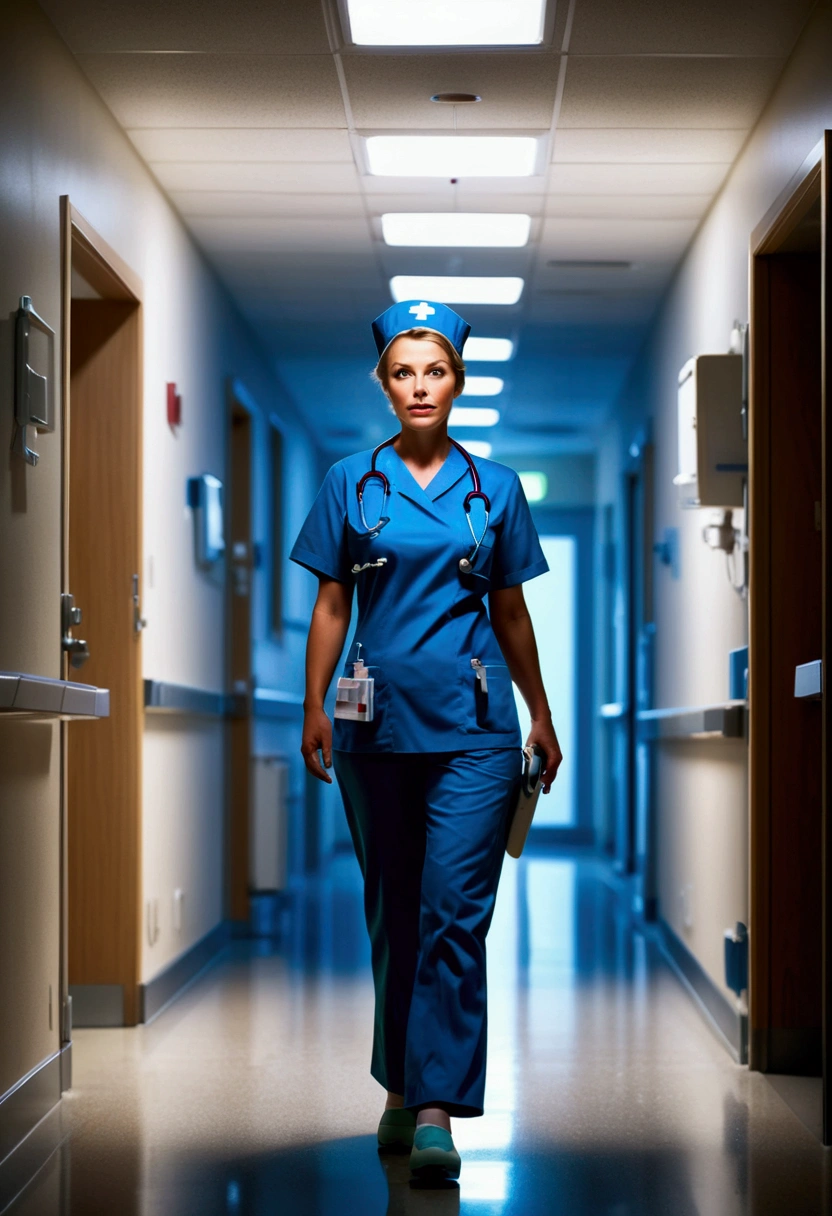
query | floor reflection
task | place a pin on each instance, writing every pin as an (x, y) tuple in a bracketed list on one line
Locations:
[(606, 1092)]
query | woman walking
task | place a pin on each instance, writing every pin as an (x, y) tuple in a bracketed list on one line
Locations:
[(426, 735)]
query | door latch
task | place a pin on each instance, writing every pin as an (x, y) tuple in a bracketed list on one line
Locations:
[(139, 622), (76, 648)]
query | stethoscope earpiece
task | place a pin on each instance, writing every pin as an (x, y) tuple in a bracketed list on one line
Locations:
[(464, 565)]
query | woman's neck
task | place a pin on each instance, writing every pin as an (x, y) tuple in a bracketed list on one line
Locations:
[(423, 449)]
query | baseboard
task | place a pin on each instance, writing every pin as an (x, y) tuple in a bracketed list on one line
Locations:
[(31, 1127), (730, 1025), (96, 1005), (170, 983)]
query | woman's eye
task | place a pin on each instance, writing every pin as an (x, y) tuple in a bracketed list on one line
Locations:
[(437, 371)]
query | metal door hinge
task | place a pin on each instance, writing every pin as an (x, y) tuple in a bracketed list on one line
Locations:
[(139, 623), (76, 648)]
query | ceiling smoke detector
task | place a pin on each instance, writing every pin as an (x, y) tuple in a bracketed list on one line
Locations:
[(455, 99)]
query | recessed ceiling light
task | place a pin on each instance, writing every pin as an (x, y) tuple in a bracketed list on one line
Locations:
[(488, 350), (462, 415), (438, 23), (448, 289), (535, 485), (482, 386), (456, 228), (451, 155), (477, 447)]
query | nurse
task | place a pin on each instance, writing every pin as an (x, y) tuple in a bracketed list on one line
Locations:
[(426, 740)]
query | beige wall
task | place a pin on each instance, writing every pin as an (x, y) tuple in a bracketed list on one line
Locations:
[(702, 789), (56, 137)]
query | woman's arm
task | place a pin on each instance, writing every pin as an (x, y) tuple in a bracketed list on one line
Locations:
[(327, 632), (513, 629)]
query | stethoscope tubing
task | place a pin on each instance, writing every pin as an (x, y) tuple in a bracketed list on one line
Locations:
[(466, 563)]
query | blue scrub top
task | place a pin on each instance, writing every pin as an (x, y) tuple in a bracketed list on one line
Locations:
[(420, 619)]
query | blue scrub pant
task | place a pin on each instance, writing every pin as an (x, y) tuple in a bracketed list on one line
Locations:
[(429, 832)]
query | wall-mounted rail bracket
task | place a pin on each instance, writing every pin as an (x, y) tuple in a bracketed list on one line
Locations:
[(33, 405)]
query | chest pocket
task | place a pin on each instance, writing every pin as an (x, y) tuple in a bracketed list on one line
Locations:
[(489, 710), (478, 579)]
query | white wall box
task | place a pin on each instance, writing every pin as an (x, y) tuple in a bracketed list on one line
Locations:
[(713, 455)]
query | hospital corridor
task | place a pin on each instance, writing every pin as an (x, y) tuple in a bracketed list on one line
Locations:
[(415, 516)]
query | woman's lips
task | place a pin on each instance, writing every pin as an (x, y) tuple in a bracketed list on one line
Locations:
[(421, 409)]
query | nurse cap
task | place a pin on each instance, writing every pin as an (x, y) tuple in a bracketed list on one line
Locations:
[(417, 314)]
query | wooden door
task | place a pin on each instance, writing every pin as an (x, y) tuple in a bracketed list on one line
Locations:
[(239, 659), (826, 626), (785, 602), (103, 501)]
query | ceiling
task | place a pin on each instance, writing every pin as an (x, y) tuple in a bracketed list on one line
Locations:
[(251, 116)]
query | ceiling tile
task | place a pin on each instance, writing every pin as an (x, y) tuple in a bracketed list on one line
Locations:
[(440, 188), (708, 27), (282, 234), (252, 175), (647, 240), (266, 203), (218, 90), (518, 91), (687, 93), (289, 27), (633, 146), (628, 206), (235, 144), (636, 179), (456, 199)]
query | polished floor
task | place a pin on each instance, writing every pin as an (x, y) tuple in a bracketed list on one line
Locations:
[(606, 1091)]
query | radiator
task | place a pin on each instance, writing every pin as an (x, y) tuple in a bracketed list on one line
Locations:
[(268, 827)]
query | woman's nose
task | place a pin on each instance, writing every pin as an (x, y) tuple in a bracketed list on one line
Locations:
[(420, 391)]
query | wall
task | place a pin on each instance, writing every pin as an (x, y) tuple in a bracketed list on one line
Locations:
[(56, 137), (702, 790)]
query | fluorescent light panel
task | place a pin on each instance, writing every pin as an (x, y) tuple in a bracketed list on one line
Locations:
[(440, 23), (451, 155), (482, 386), (488, 350), (456, 228), (477, 447), (535, 485), (448, 289), (462, 415)]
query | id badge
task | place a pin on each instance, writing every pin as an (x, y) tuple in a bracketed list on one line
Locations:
[(354, 699)]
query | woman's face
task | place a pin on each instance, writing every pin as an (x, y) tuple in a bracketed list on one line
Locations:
[(421, 383)]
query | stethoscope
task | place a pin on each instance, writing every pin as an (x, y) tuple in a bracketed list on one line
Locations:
[(466, 564)]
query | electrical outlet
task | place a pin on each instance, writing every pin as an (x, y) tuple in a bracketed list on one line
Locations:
[(178, 899)]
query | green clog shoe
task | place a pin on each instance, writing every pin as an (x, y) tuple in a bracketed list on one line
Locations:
[(396, 1128), (434, 1158)]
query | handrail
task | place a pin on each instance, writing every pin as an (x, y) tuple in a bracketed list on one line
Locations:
[(25, 694), (161, 697), (727, 721)]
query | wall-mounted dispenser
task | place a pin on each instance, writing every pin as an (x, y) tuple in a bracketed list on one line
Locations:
[(713, 457), (33, 395), (205, 499)]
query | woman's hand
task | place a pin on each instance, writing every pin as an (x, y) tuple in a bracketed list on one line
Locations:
[(543, 735), (317, 736)]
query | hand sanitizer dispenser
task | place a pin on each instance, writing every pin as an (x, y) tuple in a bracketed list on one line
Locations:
[(713, 456)]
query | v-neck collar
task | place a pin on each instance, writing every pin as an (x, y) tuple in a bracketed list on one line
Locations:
[(447, 475)]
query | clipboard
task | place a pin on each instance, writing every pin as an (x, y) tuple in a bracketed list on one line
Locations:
[(530, 788)]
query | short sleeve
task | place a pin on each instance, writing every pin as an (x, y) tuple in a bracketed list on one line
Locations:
[(517, 555), (321, 545)]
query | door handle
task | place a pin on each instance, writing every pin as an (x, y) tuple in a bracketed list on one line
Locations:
[(139, 623), (76, 648)]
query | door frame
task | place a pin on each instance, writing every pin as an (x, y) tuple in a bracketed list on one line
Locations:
[(580, 523), (106, 271), (812, 181)]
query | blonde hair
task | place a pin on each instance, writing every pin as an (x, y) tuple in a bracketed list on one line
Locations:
[(422, 334)]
